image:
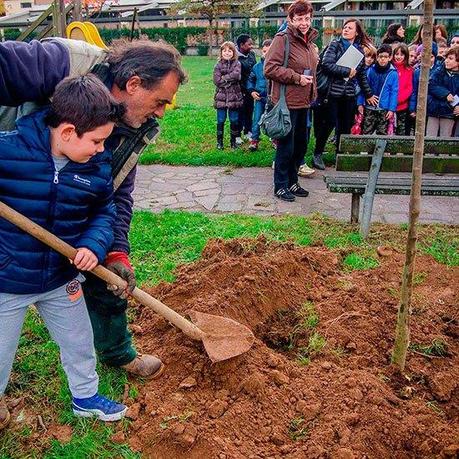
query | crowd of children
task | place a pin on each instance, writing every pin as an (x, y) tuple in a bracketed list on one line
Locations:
[(392, 72)]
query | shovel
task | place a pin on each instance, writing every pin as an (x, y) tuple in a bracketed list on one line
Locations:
[(223, 338)]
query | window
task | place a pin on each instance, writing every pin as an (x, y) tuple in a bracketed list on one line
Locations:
[(26, 5)]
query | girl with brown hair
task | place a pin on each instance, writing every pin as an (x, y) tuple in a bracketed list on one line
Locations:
[(228, 94)]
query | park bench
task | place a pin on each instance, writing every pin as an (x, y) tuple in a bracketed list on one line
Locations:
[(372, 164)]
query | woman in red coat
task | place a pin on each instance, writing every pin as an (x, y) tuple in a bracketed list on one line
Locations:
[(401, 59)]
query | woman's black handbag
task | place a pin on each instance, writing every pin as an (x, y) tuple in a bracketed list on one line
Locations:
[(323, 80), (275, 121)]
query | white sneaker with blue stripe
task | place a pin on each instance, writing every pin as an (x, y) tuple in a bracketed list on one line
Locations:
[(98, 406)]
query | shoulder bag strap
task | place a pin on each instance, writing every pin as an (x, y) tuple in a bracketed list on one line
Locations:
[(286, 53)]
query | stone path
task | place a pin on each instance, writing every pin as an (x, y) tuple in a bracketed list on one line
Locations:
[(249, 191)]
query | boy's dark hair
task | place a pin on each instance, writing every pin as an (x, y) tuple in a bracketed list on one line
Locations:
[(299, 8), (84, 102), (267, 42), (243, 38), (384, 49), (151, 61)]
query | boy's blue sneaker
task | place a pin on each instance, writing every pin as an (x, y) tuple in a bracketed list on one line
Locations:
[(99, 406)]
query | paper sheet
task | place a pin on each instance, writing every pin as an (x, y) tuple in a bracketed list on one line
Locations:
[(351, 58)]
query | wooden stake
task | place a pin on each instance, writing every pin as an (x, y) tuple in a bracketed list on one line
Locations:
[(402, 332)]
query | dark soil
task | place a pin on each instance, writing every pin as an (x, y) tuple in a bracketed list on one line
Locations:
[(341, 400)]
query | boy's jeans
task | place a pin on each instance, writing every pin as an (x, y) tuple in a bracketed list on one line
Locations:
[(257, 112), (232, 114), (66, 317)]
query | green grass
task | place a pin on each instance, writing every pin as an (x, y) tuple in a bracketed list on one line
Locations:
[(188, 132), (161, 242), (354, 261)]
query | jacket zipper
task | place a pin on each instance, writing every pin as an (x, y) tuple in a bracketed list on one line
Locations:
[(49, 220)]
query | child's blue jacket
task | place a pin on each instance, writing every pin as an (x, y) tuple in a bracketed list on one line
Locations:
[(384, 85), (74, 203), (442, 83), (257, 80)]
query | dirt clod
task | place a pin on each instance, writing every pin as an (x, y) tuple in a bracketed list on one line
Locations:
[(217, 408), (188, 383), (133, 411)]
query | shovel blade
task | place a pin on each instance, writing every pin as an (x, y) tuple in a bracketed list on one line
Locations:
[(223, 338)]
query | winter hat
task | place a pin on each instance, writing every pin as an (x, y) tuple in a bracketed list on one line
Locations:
[(434, 49)]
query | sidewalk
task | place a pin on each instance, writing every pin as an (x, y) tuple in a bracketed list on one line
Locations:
[(249, 191)]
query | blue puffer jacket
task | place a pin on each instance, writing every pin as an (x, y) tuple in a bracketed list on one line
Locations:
[(257, 80), (75, 204), (414, 95), (441, 83), (384, 84)]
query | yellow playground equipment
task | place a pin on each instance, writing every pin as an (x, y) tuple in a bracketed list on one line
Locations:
[(87, 31)]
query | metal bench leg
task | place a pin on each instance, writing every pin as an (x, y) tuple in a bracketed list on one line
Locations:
[(355, 208), (371, 186)]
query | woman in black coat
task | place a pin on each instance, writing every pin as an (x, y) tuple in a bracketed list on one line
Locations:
[(337, 104)]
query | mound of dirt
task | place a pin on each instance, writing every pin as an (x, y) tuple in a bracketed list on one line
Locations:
[(318, 382)]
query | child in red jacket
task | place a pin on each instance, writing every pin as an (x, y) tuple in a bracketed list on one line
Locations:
[(401, 61)]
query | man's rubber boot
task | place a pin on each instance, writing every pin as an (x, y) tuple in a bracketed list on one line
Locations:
[(220, 132), (234, 134), (4, 413), (145, 365)]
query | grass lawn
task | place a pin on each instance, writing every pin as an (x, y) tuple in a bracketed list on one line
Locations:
[(160, 242), (188, 133)]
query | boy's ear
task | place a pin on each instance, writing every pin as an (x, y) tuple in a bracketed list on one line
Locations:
[(67, 130), (133, 84)]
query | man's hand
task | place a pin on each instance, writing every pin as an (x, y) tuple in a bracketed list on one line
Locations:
[(85, 260), (360, 109), (373, 100), (413, 114), (352, 73), (255, 95), (449, 97), (389, 115), (118, 262), (456, 110)]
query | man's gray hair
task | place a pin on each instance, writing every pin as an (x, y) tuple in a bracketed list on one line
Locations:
[(151, 61)]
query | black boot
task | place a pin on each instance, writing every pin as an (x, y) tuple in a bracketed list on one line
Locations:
[(220, 131), (318, 162), (234, 134)]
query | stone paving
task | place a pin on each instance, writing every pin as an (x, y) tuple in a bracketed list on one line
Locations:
[(250, 191)]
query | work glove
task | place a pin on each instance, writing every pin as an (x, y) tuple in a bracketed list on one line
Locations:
[(118, 262)]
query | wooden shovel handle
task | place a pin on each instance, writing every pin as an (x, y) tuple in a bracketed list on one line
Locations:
[(68, 251)]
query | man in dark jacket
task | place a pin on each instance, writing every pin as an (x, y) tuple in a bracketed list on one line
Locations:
[(29, 73), (247, 59)]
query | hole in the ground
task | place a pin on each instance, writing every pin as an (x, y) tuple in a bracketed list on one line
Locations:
[(292, 332)]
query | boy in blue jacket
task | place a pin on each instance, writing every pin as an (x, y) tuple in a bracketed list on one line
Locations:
[(442, 100), (256, 86), (54, 170), (383, 80)]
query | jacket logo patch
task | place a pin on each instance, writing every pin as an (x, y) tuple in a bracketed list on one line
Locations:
[(77, 178), (73, 289)]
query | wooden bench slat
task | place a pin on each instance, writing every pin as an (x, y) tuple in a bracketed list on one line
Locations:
[(402, 163), (399, 144)]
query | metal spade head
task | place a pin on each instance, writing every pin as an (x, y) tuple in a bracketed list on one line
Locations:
[(223, 338)]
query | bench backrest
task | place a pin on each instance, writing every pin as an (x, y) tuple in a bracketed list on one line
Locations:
[(441, 155)]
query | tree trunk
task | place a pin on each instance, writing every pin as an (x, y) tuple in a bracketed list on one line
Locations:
[(402, 332)]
